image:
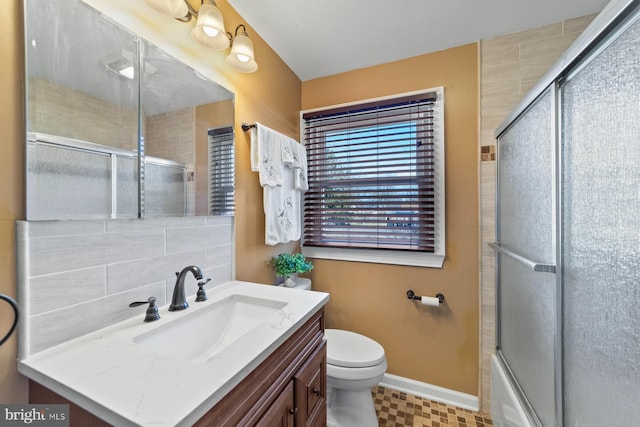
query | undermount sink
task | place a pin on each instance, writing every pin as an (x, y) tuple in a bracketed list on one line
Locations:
[(199, 335)]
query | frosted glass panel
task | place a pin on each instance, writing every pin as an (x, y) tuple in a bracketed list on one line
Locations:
[(527, 328), (165, 190), (127, 187), (601, 220), (527, 320), (65, 183), (525, 177)]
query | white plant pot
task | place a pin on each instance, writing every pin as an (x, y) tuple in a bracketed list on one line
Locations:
[(290, 281)]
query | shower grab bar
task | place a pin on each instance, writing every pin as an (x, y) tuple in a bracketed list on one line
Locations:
[(535, 266)]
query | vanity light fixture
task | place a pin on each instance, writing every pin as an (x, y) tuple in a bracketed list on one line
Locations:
[(177, 9), (241, 56), (210, 32)]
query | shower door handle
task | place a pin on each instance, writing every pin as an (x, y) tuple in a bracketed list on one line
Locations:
[(535, 266)]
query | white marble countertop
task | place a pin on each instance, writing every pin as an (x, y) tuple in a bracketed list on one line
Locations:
[(128, 384)]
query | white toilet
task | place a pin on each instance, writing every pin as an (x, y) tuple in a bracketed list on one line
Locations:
[(355, 364)]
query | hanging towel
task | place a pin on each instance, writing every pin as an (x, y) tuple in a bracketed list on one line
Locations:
[(281, 164), (266, 155), (279, 161), (300, 181), (282, 212)]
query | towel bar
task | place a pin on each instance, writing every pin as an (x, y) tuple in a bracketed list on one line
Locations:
[(535, 266)]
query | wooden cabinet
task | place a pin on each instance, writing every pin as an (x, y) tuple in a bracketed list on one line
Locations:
[(310, 384), (288, 389), (282, 410), (299, 362)]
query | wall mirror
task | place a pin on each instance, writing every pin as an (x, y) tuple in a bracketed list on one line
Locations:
[(116, 127)]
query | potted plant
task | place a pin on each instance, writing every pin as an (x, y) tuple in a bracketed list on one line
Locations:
[(289, 265)]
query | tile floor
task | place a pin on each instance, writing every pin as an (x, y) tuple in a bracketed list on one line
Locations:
[(400, 409)]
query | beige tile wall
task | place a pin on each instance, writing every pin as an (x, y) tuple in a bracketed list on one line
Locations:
[(172, 136), (58, 110), (510, 65)]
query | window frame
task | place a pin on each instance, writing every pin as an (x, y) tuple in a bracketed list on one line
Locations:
[(433, 259)]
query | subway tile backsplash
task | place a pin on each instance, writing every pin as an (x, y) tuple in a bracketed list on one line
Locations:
[(76, 277)]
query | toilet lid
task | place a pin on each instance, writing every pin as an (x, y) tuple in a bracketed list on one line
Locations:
[(351, 350)]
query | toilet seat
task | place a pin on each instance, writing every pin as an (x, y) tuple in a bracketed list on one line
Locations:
[(351, 350)]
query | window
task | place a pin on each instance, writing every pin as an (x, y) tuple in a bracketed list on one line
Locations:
[(222, 171), (376, 180)]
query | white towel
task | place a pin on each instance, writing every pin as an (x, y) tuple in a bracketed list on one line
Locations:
[(254, 153), (300, 182), (281, 164), (282, 212), (289, 152), (266, 155)]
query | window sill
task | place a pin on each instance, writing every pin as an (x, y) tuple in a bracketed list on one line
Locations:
[(375, 256)]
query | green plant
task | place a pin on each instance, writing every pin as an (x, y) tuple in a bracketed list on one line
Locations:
[(287, 264)]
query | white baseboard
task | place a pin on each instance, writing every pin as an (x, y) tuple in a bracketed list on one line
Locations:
[(431, 392)]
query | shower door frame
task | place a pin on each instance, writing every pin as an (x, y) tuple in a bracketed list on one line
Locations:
[(603, 30), (556, 237)]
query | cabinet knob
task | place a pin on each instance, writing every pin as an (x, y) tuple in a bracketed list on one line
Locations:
[(293, 410), (316, 391)]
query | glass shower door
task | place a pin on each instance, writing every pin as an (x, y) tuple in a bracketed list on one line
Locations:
[(601, 237), (526, 233)]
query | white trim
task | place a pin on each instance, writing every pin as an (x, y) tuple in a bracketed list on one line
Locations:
[(362, 101), (430, 391), (376, 256)]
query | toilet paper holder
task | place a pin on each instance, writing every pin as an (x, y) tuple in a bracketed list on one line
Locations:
[(412, 295)]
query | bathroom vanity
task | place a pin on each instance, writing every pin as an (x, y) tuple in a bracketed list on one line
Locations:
[(268, 367)]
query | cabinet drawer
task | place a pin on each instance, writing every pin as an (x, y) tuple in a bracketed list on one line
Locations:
[(310, 383)]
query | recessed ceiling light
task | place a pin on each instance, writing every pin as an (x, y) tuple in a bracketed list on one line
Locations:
[(128, 72)]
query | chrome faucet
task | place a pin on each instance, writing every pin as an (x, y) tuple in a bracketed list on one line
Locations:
[(178, 301)]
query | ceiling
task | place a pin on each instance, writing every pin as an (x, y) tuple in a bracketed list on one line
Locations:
[(325, 37)]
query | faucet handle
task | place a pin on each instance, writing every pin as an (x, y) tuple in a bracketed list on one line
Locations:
[(201, 295), (152, 310)]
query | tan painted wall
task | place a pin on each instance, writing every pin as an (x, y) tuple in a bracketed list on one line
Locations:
[(13, 387), (434, 345)]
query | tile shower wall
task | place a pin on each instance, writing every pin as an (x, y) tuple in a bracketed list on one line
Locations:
[(76, 277), (59, 110), (172, 136), (510, 66)]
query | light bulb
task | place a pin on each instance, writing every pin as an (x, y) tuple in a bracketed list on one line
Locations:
[(242, 58), (210, 31)]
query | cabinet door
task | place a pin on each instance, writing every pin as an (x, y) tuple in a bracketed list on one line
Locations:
[(311, 389), (281, 411)]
